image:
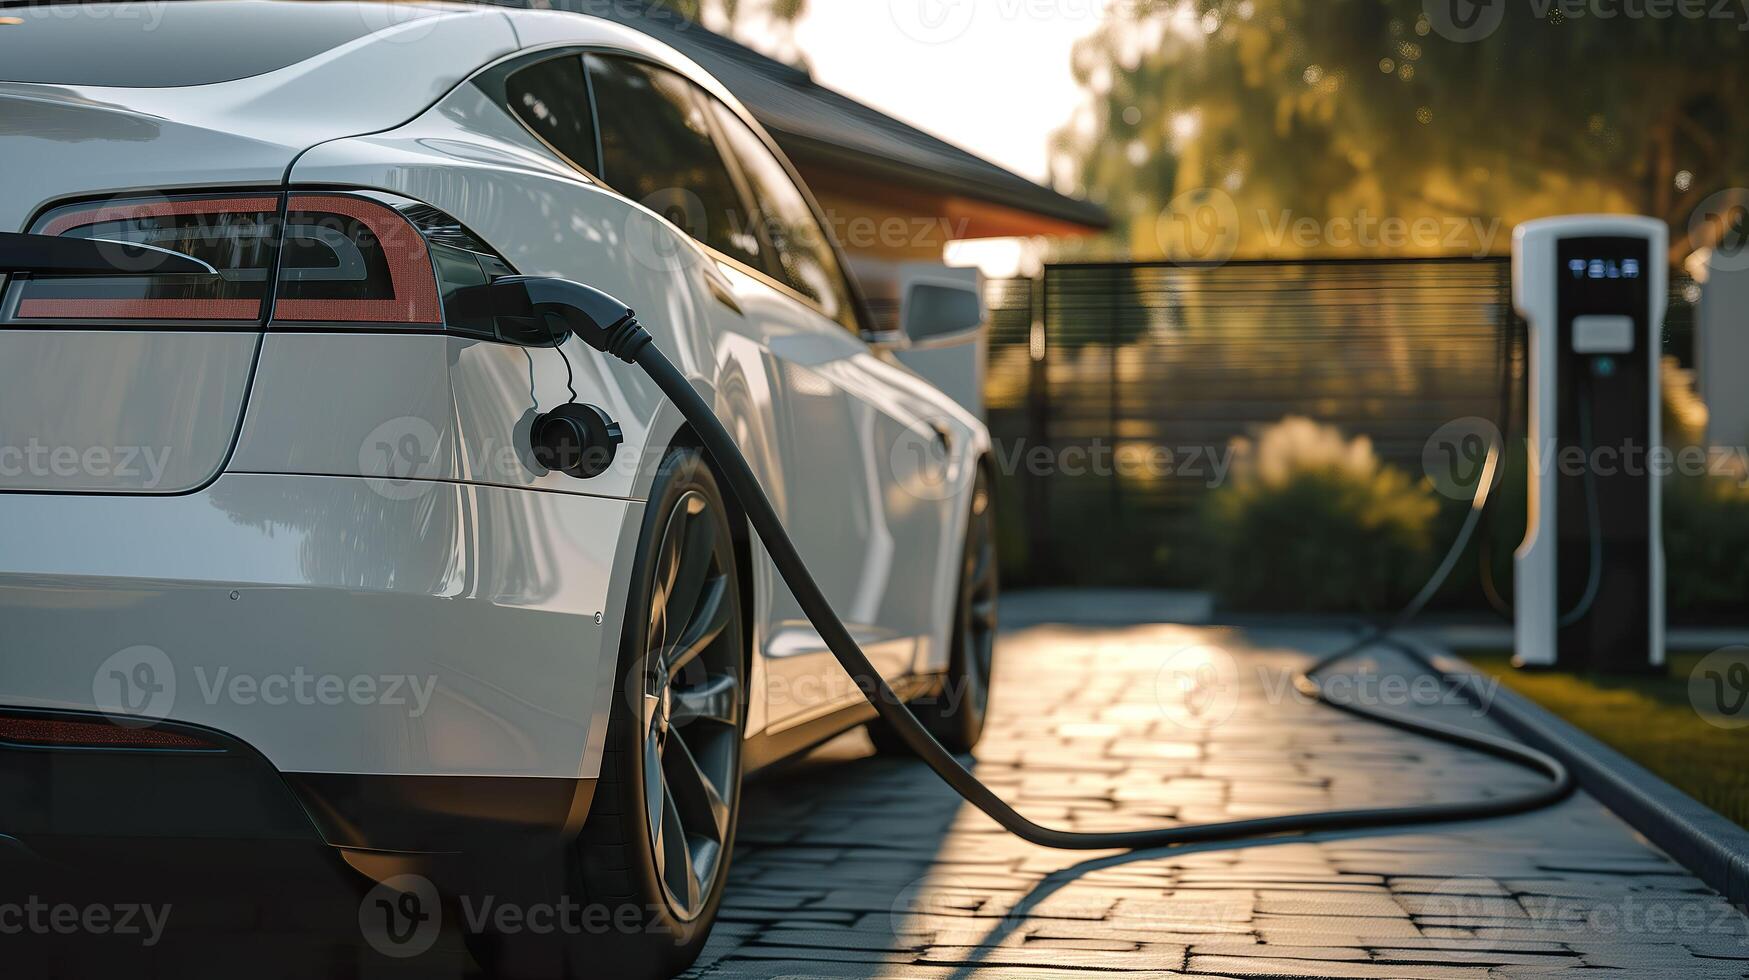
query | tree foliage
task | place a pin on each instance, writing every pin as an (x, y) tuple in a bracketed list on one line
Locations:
[(1352, 108)]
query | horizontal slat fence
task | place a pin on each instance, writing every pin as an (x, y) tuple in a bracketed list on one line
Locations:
[(1146, 363)]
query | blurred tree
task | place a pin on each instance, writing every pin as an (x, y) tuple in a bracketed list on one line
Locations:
[(1265, 112), (767, 26)]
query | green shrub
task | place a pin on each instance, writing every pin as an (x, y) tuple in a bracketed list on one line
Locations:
[(1311, 521), (1706, 546)]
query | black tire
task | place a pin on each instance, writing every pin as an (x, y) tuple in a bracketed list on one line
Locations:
[(639, 919), (955, 714)]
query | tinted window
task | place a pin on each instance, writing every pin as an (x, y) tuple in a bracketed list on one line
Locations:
[(804, 256), (551, 100), (656, 148), (149, 45)]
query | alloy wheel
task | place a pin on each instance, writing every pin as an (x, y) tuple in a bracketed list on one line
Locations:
[(691, 704), (979, 627)]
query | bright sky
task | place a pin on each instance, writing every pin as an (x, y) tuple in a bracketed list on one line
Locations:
[(990, 75)]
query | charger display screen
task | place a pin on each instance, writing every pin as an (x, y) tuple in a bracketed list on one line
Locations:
[(1601, 276)]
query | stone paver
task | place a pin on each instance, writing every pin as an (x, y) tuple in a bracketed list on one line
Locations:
[(852, 865)]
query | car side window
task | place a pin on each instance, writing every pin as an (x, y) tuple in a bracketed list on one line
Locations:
[(552, 100), (657, 149), (804, 257)]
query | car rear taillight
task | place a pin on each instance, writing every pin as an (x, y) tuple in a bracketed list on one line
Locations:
[(350, 259), (371, 258), (335, 259), (235, 235)]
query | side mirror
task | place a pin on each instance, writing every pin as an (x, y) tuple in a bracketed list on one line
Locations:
[(941, 312)]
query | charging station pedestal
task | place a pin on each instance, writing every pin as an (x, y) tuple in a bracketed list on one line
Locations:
[(1589, 576)]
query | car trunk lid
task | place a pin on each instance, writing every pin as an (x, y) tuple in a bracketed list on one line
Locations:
[(138, 384)]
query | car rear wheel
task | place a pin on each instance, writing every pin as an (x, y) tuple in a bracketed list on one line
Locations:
[(648, 869), (955, 714)]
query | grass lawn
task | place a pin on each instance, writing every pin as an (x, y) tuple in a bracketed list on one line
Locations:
[(1647, 719)]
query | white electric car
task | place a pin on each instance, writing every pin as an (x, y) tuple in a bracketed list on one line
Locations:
[(285, 547)]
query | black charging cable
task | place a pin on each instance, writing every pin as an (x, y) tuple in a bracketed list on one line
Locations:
[(610, 327), (1593, 509)]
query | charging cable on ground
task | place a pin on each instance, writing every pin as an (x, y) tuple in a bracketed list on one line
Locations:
[(610, 327)]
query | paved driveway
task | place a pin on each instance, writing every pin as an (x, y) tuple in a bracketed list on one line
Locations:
[(851, 865)]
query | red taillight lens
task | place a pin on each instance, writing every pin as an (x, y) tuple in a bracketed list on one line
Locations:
[(335, 258), (354, 260), (67, 733), (235, 235)]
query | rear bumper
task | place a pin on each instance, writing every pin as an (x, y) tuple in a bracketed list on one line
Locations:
[(444, 631), (59, 802), (234, 858)]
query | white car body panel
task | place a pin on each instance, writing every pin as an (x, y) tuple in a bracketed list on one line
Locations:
[(484, 598), (475, 568)]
